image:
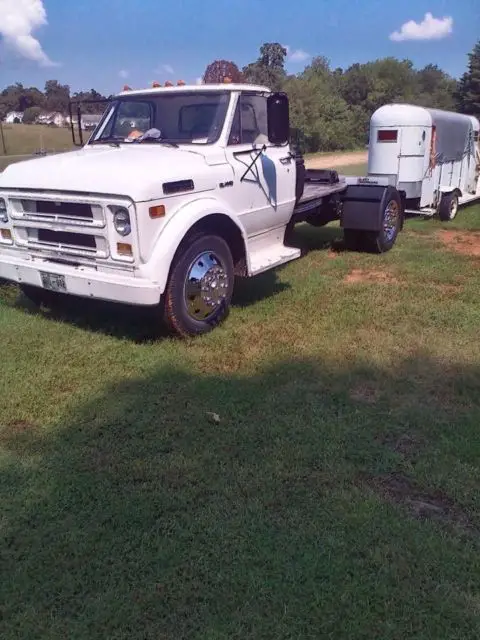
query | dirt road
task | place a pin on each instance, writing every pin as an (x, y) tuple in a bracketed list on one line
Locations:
[(333, 160)]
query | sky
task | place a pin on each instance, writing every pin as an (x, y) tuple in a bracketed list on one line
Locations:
[(103, 44)]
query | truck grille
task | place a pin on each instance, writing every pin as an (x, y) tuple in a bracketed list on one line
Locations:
[(57, 210), (60, 224), (61, 238), (61, 210)]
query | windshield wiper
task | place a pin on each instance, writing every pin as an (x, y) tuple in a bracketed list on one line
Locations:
[(112, 143), (158, 141)]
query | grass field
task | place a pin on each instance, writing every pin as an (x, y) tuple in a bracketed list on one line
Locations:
[(28, 138), (311, 469)]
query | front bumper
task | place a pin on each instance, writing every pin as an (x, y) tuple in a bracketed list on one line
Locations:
[(82, 281)]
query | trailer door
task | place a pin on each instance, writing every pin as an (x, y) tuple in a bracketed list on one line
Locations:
[(427, 197)]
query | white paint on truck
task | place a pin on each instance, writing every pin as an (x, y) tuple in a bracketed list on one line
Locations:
[(178, 190)]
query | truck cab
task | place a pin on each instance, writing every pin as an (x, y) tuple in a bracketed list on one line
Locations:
[(178, 190)]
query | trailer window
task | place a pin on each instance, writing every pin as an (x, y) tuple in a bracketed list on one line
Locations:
[(387, 135)]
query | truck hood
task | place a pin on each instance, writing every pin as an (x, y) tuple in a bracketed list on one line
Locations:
[(135, 171)]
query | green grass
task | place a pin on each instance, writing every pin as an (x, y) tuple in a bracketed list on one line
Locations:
[(353, 170), (23, 140), (338, 495)]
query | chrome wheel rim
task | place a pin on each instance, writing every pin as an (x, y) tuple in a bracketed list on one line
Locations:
[(453, 208), (206, 286), (390, 220)]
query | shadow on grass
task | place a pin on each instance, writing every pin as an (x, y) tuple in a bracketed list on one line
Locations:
[(144, 324), (177, 506)]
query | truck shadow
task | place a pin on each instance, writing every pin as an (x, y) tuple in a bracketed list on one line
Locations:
[(143, 325), (309, 238), (150, 509)]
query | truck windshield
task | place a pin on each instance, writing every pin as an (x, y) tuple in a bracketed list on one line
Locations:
[(178, 118)]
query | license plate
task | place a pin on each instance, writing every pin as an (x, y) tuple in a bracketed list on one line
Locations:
[(53, 282)]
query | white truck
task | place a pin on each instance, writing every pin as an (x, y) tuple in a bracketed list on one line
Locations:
[(178, 190)]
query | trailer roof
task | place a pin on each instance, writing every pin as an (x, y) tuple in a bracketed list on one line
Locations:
[(195, 88)]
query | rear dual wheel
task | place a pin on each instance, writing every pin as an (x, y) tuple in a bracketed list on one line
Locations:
[(382, 240)]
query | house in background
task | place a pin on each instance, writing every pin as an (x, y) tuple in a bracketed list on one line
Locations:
[(14, 117), (90, 121), (53, 118)]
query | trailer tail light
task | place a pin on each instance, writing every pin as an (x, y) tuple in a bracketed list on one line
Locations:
[(387, 135)]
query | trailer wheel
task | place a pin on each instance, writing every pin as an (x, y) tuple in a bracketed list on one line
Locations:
[(200, 286), (391, 223), (448, 208)]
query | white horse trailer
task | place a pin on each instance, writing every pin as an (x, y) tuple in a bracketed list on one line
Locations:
[(432, 157)]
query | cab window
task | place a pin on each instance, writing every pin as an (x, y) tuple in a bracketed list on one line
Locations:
[(249, 124)]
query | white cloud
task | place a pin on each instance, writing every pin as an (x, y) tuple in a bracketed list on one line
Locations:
[(124, 73), (18, 20), (296, 55), (168, 69), (429, 29)]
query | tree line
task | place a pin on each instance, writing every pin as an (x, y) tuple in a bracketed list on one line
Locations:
[(54, 98), (330, 108)]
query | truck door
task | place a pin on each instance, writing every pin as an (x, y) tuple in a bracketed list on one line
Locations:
[(263, 193)]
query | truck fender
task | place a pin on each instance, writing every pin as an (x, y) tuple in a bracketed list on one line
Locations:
[(363, 206), (175, 230)]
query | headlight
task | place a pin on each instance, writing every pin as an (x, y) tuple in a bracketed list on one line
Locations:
[(3, 211), (121, 220)]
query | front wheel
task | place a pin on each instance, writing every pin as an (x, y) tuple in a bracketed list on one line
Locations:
[(200, 286), (448, 208)]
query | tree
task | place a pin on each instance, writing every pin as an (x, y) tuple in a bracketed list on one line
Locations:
[(468, 91), (31, 114), (218, 70), (57, 96), (90, 108), (435, 88), (268, 70), (321, 116)]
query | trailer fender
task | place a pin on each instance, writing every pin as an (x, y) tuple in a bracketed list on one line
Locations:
[(363, 206), (175, 230), (449, 189)]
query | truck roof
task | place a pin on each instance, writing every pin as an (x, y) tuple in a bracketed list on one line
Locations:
[(199, 88)]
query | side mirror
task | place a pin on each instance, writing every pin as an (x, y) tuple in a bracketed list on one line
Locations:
[(278, 119)]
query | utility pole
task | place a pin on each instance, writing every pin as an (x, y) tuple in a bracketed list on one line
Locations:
[(3, 139)]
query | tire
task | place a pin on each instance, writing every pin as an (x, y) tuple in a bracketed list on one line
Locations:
[(448, 209), (202, 270), (391, 210)]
